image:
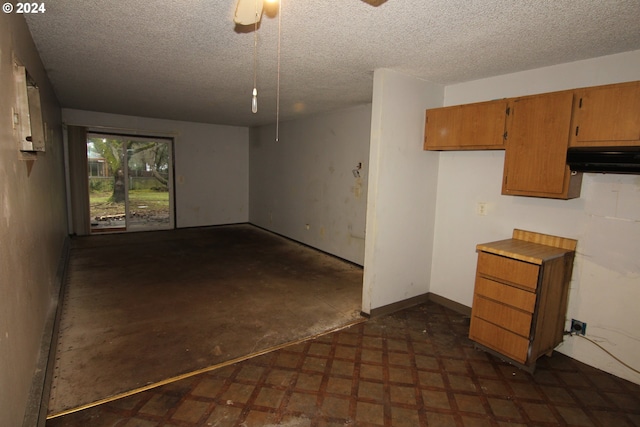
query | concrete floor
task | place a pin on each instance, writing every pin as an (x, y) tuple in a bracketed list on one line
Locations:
[(144, 309)]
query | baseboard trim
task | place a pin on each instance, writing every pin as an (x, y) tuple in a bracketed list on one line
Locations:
[(307, 245), (450, 304), (400, 305), (420, 299), (37, 404)]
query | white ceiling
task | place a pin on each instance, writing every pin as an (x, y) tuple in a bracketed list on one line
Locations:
[(185, 59)]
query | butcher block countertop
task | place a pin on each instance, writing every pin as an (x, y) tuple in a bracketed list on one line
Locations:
[(531, 247)]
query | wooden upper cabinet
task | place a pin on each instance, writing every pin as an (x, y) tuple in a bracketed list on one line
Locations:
[(478, 126), (538, 129), (607, 116)]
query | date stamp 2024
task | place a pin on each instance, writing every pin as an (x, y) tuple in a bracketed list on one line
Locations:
[(24, 8)]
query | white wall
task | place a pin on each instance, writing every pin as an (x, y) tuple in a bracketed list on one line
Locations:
[(402, 191), (605, 288), (211, 164), (303, 186), (33, 226)]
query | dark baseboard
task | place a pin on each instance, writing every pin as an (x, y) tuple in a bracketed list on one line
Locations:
[(400, 305), (37, 405), (420, 299), (306, 245), (450, 304)]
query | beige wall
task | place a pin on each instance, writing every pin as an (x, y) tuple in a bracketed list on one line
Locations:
[(32, 226), (402, 191), (303, 186)]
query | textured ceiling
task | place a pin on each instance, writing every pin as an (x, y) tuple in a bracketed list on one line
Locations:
[(186, 60)]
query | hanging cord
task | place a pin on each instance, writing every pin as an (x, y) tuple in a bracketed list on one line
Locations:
[(254, 100), (278, 79), (606, 351)]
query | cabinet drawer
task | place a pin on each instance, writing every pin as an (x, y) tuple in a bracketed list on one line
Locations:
[(518, 298), (499, 339), (502, 315), (508, 269)]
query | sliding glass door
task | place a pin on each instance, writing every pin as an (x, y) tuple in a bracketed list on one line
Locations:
[(130, 183)]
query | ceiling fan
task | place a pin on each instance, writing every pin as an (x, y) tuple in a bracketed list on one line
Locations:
[(249, 12)]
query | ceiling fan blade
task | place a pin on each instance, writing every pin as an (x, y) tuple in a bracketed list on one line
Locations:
[(248, 12), (375, 3)]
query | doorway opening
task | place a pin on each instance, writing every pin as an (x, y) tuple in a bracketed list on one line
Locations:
[(130, 183)]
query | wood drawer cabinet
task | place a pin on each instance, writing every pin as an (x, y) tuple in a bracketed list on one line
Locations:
[(606, 116), (478, 126), (520, 295)]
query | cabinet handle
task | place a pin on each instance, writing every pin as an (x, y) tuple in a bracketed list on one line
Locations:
[(577, 130)]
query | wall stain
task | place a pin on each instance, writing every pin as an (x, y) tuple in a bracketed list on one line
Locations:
[(357, 188)]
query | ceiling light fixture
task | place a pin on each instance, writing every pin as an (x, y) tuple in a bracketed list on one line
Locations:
[(248, 12)]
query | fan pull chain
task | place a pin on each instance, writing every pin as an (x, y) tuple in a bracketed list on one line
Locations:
[(254, 98), (278, 79)]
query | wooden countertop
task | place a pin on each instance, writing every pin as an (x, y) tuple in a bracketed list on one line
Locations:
[(522, 250), (530, 247)]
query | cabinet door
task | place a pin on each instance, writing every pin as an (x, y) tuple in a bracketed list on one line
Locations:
[(607, 116), (536, 147), (478, 126)]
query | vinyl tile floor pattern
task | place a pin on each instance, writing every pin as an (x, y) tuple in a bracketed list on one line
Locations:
[(412, 368)]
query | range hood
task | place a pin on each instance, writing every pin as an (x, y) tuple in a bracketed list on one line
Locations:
[(604, 159)]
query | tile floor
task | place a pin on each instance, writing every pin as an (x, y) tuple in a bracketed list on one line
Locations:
[(413, 368)]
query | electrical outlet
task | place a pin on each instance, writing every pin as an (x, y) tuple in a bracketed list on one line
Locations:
[(481, 208), (578, 327)]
